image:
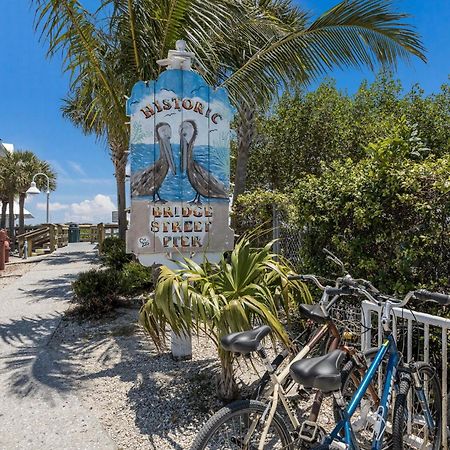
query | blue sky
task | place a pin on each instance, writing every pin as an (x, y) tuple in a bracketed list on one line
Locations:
[(31, 89)]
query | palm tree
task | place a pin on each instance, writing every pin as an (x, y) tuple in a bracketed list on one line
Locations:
[(251, 48), (3, 193), (223, 298), (32, 165), (17, 174)]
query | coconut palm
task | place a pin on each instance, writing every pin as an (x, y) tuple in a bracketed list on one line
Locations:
[(223, 298), (3, 194), (250, 47), (17, 174)]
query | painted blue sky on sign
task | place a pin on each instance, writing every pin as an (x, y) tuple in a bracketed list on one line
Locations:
[(175, 98)]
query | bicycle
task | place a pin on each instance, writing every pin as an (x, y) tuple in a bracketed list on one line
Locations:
[(262, 425)]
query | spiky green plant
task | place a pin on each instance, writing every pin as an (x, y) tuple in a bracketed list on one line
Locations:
[(251, 287)]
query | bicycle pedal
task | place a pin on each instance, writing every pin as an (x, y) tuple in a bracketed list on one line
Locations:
[(309, 431)]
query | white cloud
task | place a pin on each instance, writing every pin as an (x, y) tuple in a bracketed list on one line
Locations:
[(56, 206), (77, 168), (96, 210)]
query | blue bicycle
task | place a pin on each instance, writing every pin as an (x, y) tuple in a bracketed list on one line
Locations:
[(414, 421)]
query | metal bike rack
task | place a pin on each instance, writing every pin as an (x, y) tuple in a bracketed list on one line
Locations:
[(370, 311)]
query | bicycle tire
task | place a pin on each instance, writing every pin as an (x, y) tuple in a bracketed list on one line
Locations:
[(402, 412), (239, 409)]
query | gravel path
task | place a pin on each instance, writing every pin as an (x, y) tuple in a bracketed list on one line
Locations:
[(142, 399), (39, 409)]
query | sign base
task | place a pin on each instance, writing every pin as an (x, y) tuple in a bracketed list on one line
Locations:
[(181, 346)]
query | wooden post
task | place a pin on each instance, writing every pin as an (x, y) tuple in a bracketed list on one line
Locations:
[(30, 246), (101, 236), (51, 235), (3, 238)]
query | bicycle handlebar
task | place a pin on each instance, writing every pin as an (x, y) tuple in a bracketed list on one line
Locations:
[(442, 299), (366, 288)]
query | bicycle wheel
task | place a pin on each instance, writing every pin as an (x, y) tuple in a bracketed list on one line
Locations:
[(239, 426), (363, 420), (409, 428)]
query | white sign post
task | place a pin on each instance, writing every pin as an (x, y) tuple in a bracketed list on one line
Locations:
[(180, 169)]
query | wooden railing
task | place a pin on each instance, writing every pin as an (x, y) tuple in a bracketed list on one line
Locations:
[(105, 230), (48, 237)]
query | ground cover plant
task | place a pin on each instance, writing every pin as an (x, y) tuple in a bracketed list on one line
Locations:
[(248, 288), (118, 282)]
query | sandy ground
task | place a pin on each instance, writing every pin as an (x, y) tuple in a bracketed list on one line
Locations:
[(13, 272), (143, 400)]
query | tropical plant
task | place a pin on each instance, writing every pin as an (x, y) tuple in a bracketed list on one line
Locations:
[(250, 287), (307, 131), (386, 215), (3, 194), (30, 166), (113, 253), (249, 47), (16, 173)]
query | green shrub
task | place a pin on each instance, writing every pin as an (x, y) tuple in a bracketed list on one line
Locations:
[(254, 210), (97, 291), (113, 253), (386, 216), (135, 279), (101, 290)]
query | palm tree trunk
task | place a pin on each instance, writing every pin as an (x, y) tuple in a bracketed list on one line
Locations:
[(22, 213), (246, 133), (227, 388), (121, 201), (3, 218), (12, 234), (119, 157)]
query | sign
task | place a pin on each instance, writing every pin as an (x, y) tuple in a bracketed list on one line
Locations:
[(180, 165), (114, 216)]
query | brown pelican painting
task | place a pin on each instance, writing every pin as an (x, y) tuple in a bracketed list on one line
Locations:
[(148, 181), (203, 182)]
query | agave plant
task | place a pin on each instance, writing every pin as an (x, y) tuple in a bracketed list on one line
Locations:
[(251, 287)]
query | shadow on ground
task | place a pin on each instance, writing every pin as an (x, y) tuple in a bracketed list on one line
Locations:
[(52, 288), (166, 396), (68, 258)]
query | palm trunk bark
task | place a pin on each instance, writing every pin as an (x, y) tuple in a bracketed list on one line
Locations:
[(12, 234), (22, 213), (227, 388), (246, 133), (119, 157), (3, 218), (121, 201)]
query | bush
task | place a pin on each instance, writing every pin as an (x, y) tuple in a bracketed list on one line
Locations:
[(136, 279), (254, 210), (386, 216), (97, 291), (113, 253), (101, 290)]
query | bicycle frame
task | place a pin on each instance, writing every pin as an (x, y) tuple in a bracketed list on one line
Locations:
[(389, 346), (277, 379)]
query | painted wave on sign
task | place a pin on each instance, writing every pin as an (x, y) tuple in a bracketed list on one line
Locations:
[(177, 187)]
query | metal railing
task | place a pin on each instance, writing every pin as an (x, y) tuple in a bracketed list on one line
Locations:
[(416, 339)]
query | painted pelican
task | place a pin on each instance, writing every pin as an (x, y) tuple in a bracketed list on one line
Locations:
[(148, 181), (203, 182)]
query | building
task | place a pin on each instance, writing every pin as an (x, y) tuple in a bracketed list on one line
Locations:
[(5, 148)]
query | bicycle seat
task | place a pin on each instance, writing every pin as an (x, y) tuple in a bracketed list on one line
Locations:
[(314, 312), (245, 341), (322, 372)]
